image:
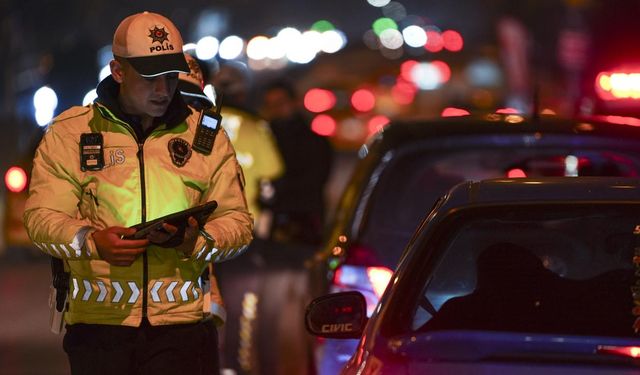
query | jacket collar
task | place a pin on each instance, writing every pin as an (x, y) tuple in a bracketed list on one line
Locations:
[(108, 90)]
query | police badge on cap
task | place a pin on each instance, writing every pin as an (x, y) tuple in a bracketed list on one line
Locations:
[(180, 151)]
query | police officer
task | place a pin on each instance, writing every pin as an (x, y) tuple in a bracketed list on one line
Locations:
[(135, 305)]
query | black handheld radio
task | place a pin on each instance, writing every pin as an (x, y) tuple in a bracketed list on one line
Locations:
[(208, 127)]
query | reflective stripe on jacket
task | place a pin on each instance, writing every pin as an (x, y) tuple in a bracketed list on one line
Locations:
[(138, 182)]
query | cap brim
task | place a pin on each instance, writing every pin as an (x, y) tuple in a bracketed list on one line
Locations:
[(189, 90), (152, 66)]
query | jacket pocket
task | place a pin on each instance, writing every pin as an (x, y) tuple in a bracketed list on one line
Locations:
[(89, 202)]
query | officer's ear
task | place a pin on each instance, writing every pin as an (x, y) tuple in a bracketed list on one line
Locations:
[(117, 70)]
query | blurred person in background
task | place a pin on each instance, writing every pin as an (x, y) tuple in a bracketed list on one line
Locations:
[(297, 198), (242, 283), (251, 136), (134, 306), (191, 87)]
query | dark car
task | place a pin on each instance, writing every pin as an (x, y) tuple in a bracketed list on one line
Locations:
[(409, 165), (506, 276)]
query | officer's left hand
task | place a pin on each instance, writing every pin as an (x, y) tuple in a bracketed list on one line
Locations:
[(167, 234)]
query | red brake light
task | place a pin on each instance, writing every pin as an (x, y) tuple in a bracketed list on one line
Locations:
[(454, 112), (618, 85), (516, 173), (362, 277), (508, 111), (627, 351), (15, 179)]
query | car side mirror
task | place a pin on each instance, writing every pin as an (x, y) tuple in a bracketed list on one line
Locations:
[(337, 316)]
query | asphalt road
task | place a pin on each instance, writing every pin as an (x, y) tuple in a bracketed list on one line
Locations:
[(264, 290), (27, 346)]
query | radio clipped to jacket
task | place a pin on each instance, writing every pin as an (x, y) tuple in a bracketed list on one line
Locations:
[(208, 127)]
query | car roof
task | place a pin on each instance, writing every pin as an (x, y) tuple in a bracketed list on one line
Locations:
[(544, 190), (407, 131)]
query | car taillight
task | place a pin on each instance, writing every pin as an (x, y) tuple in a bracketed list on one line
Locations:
[(15, 179), (370, 281), (618, 85), (454, 112), (379, 278), (363, 278), (627, 351)]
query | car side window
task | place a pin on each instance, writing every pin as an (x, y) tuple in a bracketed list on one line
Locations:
[(535, 272)]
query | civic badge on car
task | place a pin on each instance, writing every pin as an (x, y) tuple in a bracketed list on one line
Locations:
[(180, 151)]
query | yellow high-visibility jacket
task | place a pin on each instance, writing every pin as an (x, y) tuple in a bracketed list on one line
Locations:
[(140, 181), (256, 150)]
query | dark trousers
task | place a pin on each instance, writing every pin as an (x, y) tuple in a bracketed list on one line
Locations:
[(105, 350)]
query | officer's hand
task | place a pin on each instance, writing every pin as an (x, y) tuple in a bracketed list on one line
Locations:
[(184, 244), (115, 250)]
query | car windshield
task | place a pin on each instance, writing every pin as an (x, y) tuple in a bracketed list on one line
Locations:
[(564, 270), (414, 179)]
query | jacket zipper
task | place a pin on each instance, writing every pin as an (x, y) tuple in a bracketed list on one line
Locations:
[(145, 265)]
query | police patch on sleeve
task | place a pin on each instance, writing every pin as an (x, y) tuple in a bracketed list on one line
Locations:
[(180, 151)]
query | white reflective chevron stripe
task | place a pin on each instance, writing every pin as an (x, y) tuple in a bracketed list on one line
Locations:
[(87, 290), (135, 292), (242, 249), (119, 292), (169, 292), (67, 249), (66, 252), (78, 241), (199, 255), (103, 291), (49, 248), (183, 291), (75, 289), (154, 291), (72, 250), (78, 251), (213, 251), (39, 246), (53, 251), (195, 291)]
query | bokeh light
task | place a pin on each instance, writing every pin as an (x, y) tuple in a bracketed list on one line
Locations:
[(332, 41), (324, 125), (322, 26), (258, 47), (414, 36), (382, 24), (434, 41), (89, 97), (45, 102), (104, 72), (426, 76), (15, 179), (378, 3), (377, 123), (231, 47), (319, 100), (391, 39), (452, 40), (445, 70), (363, 100), (403, 92), (207, 48)]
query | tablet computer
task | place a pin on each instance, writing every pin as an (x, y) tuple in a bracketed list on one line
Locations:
[(177, 219)]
